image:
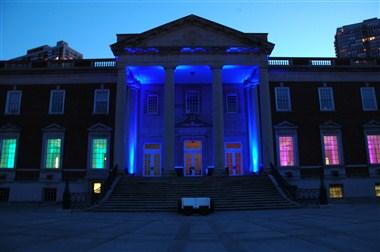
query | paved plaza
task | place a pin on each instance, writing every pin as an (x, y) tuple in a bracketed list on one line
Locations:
[(337, 227)]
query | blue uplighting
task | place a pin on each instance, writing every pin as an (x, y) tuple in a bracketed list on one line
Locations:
[(146, 75), (242, 50), (132, 137), (193, 50), (139, 50)]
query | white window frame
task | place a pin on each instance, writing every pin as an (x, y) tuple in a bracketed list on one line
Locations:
[(93, 135), (331, 92), (289, 102), (291, 133), (52, 135), (236, 109), (338, 134), (370, 132), (9, 136), (373, 97), (158, 104), (95, 100), (187, 109), (51, 102), (7, 112)]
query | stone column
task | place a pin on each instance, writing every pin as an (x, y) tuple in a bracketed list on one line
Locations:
[(251, 91), (120, 120), (169, 120), (218, 121), (132, 116), (266, 119)]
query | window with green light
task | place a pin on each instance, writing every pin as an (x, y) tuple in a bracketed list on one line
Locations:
[(99, 153), (53, 153), (8, 153)]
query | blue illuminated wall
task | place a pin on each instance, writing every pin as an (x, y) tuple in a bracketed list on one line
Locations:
[(132, 128)]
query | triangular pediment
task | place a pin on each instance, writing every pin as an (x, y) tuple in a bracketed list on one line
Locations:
[(9, 128), (372, 124), (192, 31), (53, 128), (100, 127), (330, 125), (285, 125)]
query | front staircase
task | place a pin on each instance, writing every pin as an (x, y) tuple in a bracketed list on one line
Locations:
[(162, 193)]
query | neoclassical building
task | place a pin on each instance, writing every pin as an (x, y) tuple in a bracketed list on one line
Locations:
[(194, 98)]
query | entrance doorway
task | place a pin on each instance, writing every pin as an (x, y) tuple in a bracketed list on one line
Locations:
[(193, 157), (152, 159), (234, 159)]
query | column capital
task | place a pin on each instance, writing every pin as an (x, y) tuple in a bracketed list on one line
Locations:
[(169, 67), (216, 66)]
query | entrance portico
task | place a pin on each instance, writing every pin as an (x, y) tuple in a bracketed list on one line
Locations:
[(173, 93)]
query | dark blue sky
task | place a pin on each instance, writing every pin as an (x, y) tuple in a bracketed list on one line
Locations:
[(297, 27)]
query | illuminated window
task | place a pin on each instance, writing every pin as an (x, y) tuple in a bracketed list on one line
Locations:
[(326, 99), (57, 102), (99, 153), (13, 102), (8, 152), (97, 187), (152, 104), (369, 102), (331, 150), (373, 144), (232, 103), (101, 101), (283, 99), (286, 150), (336, 191), (53, 153), (377, 190), (192, 102)]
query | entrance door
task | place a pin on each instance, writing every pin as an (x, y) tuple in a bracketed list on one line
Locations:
[(193, 157), (233, 159), (152, 159)]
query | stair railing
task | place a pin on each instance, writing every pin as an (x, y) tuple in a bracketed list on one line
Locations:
[(288, 189)]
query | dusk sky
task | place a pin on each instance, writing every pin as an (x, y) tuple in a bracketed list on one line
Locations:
[(297, 27)]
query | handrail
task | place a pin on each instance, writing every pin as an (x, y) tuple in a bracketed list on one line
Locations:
[(289, 190)]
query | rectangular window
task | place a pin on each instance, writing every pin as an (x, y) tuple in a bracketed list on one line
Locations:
[(8, 152), (286, 150), (53, 153), (232, 103), (13, 102), (336, 191), (369, 102), (377, 190), (57, 102), (283, 102), (101, 101), (99, 153), (326, 99), (331, 150), (192, 102), (50, 194), (152, 104), (373, 144)]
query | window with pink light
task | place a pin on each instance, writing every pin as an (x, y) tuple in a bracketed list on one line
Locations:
[(286, 150), (373, 143), (331, 150)]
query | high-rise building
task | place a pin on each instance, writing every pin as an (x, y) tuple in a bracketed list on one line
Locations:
[(361, 40), (61, 51)]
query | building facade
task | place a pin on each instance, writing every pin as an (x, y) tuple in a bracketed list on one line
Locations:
[(193, 98), (361, 40)]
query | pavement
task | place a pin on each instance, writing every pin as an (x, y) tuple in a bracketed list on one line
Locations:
[(336, 227)]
